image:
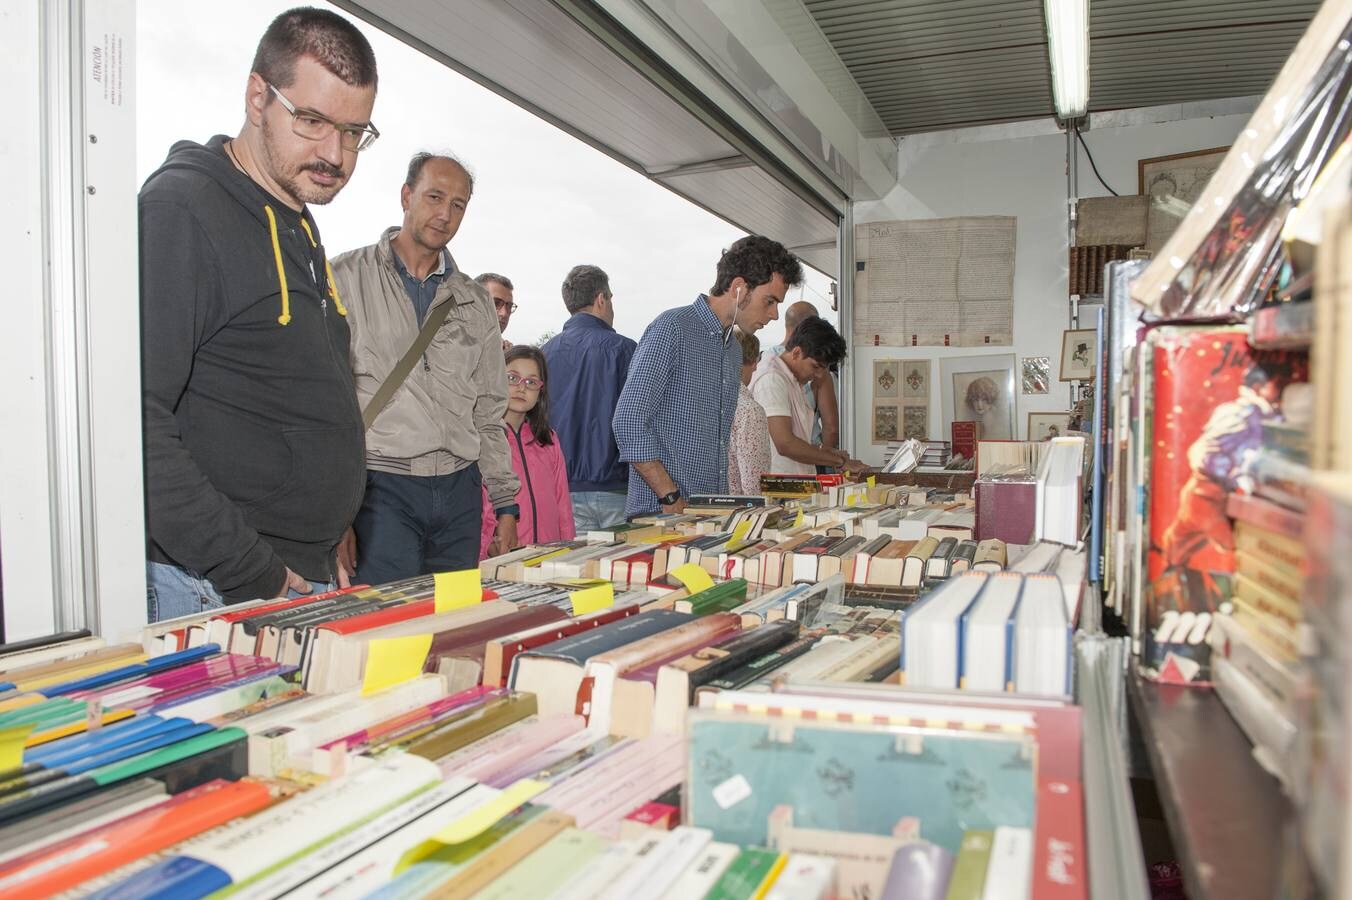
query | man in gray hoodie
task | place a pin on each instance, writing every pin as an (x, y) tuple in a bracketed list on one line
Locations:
[(253, 437)]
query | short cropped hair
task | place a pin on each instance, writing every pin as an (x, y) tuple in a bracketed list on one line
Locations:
[(494, 277), (419, 160), (819, 340), (756, 259), (328, 38), (750, 345), (582, 284)]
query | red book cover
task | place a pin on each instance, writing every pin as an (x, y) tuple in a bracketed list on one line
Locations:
[(512, 648), (1006, 508), (389, 615), (657, 815), (471, 641), (1212, 394), (965, 436)]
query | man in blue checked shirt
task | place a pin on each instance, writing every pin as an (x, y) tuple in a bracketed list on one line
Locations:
[(675, 412)]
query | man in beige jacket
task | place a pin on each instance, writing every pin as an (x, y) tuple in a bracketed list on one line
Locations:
[(439, 437)]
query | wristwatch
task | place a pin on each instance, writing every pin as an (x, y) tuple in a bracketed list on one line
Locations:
[(511, 509), (669, 499)]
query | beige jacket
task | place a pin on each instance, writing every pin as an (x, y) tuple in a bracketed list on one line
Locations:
[(448, 413)]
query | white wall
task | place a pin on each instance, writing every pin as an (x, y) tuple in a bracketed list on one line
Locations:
[(1020, 170)]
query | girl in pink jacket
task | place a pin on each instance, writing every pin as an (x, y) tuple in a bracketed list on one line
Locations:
[(546, 506)]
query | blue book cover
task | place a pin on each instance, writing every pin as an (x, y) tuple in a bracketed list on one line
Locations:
[(136, 670), (850, 778), (170, 879), (1100, 435), (582, 647)]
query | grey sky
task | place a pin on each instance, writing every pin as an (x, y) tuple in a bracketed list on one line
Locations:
[(543, 201)]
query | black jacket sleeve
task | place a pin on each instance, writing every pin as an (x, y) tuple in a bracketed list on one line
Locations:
[(182, 301)]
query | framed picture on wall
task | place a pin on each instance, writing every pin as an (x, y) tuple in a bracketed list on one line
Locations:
[(1172, 185), (1077, 354), (980, 389), (1043, 426)]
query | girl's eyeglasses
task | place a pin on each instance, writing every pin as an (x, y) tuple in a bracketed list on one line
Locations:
[(530, 382)]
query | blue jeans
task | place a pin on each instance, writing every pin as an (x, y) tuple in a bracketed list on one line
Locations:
[(172, 592), (415, 524), (597, 509)]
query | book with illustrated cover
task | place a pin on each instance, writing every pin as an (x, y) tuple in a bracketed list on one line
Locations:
[(854, 778), (1212, 397)]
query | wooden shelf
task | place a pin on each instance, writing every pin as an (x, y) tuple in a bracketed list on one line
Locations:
[(1225, 813)]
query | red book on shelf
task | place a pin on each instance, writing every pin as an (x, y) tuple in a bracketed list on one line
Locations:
[(1212, 394), (499, 652), (965, 436)]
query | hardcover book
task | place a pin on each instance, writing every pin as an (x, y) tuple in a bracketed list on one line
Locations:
[(1212, 396)]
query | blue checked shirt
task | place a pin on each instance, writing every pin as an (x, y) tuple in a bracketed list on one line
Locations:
[(677, 403)]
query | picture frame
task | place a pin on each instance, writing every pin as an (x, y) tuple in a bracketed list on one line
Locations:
[(1172, 185), (1077, 354), (1043, 426), (981, 389)]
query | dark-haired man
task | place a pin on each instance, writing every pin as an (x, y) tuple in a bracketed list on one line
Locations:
[(434, 429), (813, 348), (253, 438), (500, 289), (675, 412), (588, 362)]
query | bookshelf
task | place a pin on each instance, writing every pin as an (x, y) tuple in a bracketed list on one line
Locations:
[(1226, 815)]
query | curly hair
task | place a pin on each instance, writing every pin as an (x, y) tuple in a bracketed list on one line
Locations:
[(982, 388), (329, 39), (538, 417), (756, 260)]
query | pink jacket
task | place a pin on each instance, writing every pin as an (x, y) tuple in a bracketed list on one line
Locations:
[(546, 506)]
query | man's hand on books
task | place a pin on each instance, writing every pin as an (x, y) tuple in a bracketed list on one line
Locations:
[(294, 584), (347, 559), (677, 507)]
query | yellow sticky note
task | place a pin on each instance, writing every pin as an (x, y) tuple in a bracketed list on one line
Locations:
[(485, 817), (582, 582), (798, 520), (455, 590), (11, 745), (693, 577), (589, 600), (740, 532), (872, 481), (391, 661), (850, 500)]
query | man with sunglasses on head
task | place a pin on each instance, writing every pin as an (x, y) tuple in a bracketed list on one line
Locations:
[(428, 362), (500, 289), (253, 437)]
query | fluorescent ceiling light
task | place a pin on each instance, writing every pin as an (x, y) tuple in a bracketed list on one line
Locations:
[(1068, 46)]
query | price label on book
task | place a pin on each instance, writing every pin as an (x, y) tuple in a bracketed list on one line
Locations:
[(456, 590), (693, 577), (592, 599), (391, 661)]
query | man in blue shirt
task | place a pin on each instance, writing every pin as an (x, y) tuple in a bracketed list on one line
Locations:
[(588, 362), (675, 412)]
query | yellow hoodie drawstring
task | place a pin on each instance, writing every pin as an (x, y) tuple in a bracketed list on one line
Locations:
[(328, 271), (285, 317)]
